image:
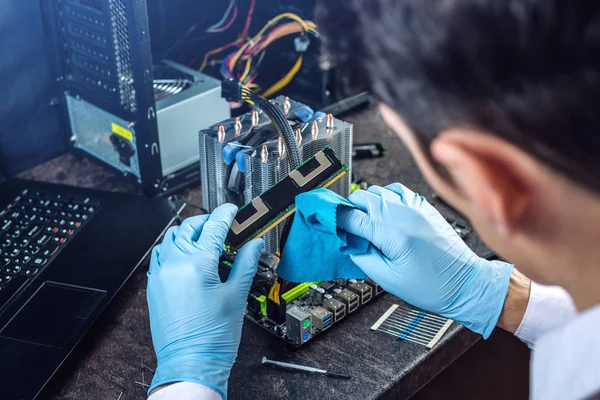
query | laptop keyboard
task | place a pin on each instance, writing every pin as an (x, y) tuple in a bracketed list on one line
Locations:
[(33, 230)]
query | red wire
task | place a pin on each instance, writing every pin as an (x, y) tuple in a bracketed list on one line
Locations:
[(193, 61), (228, 24), (248, 20), (265, 37), (253, 77), (240, 40)]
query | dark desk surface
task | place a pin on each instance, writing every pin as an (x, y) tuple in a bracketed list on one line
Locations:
[(107, 364)]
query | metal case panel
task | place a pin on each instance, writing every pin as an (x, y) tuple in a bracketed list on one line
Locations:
[(103, 57), (181, 116), (91, 131)]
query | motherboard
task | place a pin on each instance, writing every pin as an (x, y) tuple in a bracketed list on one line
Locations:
[(307, 309), (242, 161)]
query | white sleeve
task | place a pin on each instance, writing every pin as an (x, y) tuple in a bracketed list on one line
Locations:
[(186, 391), (549, 307)]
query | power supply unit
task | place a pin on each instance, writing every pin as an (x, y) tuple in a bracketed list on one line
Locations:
[(138, 117)]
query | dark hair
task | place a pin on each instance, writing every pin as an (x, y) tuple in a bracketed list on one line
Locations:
[(525, 70)]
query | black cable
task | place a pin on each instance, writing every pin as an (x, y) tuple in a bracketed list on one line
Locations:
[(283, 127), (289, 137), (234, 91), (182, 199)]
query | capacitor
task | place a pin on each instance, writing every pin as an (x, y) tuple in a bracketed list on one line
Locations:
[(337, 290), (298, 137), (328, 297), (287, 105), (238, 126), (312, 290), (221, 134), (255, 118), (352, 280), (320, 294), (341, 281)]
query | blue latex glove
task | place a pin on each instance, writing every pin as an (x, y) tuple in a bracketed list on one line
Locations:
[(196, 320), (416, 255)]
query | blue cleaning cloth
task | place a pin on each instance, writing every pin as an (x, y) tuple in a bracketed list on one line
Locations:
[(316, 250)]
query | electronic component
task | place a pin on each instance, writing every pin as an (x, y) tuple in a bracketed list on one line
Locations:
[(350, 299), (377, 290), (278, 202), (337, 308), (317, 293), (321, 318), (221, 182), (368, 150), (364, 291), (327, 286), (299, 325), (413, 325), (277, 312)]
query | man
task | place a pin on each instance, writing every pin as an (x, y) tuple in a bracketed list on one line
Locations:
[(497, 101)]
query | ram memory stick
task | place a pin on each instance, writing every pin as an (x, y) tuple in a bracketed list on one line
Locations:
[(266, 211)]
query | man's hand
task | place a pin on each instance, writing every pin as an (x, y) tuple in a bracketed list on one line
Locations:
[(416, 255), (196, 320)]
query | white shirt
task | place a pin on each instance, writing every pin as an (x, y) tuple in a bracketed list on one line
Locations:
[(566, 351), (566, 346)]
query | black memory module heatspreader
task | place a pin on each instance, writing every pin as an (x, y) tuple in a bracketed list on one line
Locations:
[(264, 212)]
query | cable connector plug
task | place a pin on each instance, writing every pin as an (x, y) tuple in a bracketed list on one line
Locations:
[(301, 43), (231, 90)]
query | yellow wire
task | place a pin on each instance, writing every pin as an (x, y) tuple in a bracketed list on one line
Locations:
[(287, 31), (277, 287), (272, 38), (269, 24), (246, 70), (271, 291), (283, 82), (274, 293)]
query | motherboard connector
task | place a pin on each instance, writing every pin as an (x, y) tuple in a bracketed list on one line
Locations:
[(364, 291), (321, 318), (377, 290), (337, 308), (350, 299), (299, 325)]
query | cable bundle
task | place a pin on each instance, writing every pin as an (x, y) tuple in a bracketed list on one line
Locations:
[(242, 64)]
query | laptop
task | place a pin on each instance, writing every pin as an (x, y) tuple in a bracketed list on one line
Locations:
[(64, 254)]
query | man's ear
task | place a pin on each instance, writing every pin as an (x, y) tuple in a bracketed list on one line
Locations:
[(490, 176)]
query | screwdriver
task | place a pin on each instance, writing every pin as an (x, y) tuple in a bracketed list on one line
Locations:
[(304, 368)]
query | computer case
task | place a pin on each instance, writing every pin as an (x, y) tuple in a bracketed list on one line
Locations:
[(129, 90), (133, 114)]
